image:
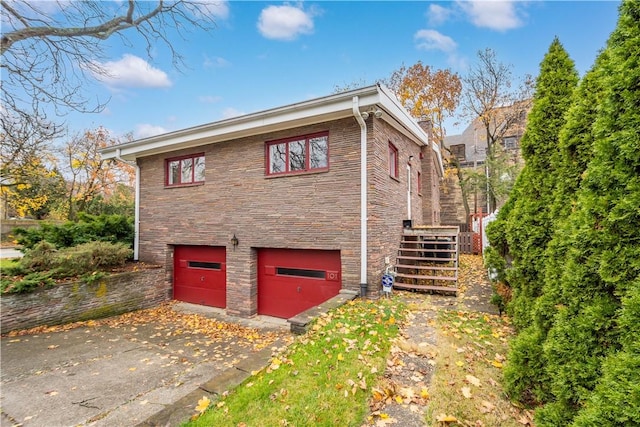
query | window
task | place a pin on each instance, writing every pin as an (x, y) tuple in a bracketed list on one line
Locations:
[(459, 152), (419, 186), (185, 170), (298, 272), (300, 154), (393, 161), (510, 142)]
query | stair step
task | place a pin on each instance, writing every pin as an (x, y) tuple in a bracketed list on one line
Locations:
[(449, 251), (427, 267), (421, 258), (429, 242), (421, 276), (425, 287)]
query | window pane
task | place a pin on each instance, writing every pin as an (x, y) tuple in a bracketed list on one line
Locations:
[(316, 274), (297, 155), (199, 169), (277, 157), (173, 172), (393, 161), (318, 156), (186, 175)]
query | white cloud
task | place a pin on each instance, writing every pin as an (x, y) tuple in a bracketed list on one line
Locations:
[(284, 22), (497, 15), (434, 40), (132, 71), (230, 112), (438, 14), (145, 130)]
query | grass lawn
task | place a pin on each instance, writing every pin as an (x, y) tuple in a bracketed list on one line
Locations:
[(7, 262), (325, 378)]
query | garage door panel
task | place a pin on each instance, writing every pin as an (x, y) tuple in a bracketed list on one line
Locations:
[(199, 275), (292, 281)]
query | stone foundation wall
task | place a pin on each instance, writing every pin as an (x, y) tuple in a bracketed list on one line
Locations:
[(77, 301)]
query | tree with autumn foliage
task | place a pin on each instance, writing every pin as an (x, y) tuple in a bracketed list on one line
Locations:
[(31, 185), (92, 180), (427, 94)]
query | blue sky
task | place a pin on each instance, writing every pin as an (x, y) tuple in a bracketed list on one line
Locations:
[(268, 54)]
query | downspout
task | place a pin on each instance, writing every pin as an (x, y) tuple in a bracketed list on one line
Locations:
[(363, 197), (136, 225)]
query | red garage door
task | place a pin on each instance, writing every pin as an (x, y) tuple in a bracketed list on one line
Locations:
[(291, 281), (199, 275)]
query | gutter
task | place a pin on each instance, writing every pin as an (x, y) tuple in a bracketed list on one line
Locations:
[(363, 197), (136, 224)]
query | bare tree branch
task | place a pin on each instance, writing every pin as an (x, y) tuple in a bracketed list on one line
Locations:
[(52, 51)]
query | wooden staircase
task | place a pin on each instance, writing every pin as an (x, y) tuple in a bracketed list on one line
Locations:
[(428, 259)]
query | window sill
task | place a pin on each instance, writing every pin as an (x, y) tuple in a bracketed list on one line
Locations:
[(396, 179), (285, 175), (195, 184)]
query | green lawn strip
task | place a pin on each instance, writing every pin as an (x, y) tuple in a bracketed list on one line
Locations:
[(8, 262), (324, 378)]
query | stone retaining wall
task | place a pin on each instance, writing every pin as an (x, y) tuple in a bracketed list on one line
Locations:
[(77, 301)]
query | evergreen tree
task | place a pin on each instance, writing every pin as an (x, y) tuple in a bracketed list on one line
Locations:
[(525, 376), (592, 350), (529, 226)]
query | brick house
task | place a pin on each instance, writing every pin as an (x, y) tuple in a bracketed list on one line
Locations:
[(267, 213)]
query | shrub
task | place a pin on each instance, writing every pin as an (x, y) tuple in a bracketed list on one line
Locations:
[(104, 228), (39, 258), (45, 263), (89, 257), (28, 283)]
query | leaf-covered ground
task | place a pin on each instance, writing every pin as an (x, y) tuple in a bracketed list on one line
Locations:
[(168, 321), (445, 368)]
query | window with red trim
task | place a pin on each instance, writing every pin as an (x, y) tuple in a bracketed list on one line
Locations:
[(393, 161), (299, 154), (184, 170)]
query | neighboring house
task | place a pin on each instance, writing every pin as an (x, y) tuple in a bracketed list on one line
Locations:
[(470, 151), (277, 211)]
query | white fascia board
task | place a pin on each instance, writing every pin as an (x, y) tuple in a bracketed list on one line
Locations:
[(304, 113)]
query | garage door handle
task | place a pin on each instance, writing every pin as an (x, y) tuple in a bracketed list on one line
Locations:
[(202, 278), (299, 289)]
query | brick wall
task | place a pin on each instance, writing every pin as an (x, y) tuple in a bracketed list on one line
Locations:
[(71, 302), (311, 211), (388, 198)]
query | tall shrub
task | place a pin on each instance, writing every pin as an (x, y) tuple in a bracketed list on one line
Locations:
[(593, 341), (529, 225), (525, 376)]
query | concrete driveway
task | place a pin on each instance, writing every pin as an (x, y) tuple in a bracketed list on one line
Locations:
[(128, 373), (10, 253)]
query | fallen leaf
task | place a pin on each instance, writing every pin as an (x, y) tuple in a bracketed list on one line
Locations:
[(424, 393), (466, 392), (443, 418), (460, 363), (473, 380), (487, 407), (203, 404)]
